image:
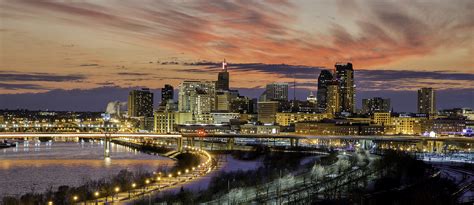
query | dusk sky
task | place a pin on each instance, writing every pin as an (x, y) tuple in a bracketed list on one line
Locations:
[(79, 55)]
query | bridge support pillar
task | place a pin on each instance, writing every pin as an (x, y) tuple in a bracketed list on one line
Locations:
[(191, 139), (230, 143), (179, 144), (294, 142), (106, 147)]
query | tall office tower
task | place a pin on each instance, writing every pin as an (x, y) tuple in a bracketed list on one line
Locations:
[(427, 101), (166, 94), (324, 78), (197, 97), (374, 105), (333, 103), (223, 78), (267, 111), (345, 76), (276, 91), (140, 103)]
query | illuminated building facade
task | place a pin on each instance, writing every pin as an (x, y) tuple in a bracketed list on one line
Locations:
[(287, 118), (407, 125), (276, 92), (165, 121), (325, 77), (333, 98), (382, 118), (197, 97), (223, 101), (427, 101), (345, 76), (140, 103)]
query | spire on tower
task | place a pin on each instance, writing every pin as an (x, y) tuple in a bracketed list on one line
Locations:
[(224, 65)]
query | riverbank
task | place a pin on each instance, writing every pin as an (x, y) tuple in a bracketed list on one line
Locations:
[(92, 190)]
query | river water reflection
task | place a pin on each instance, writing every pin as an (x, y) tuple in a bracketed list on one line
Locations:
[(37, 166)]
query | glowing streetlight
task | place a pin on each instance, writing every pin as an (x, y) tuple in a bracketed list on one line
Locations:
[(170, 175), (50, 203), (179, 173), (75, 198), (147, 181), (117, 189), (134, 185), (96, 194), (186, 171)]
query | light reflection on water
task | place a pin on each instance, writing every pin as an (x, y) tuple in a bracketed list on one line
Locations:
[(37, 166)]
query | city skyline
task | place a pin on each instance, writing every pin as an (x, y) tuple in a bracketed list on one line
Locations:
[(94, 47), (236, 102)]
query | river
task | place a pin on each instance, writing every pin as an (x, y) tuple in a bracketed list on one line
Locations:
[(37, 166)]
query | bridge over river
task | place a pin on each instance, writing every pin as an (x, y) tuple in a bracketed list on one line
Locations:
[(407, 143)]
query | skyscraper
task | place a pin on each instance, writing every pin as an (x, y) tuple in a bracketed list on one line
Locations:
[(374, 105), (140, 103), (223, 78), (324, 78), (166, 94), (333, 101), (427, 101), (345, 77), (276, 91)]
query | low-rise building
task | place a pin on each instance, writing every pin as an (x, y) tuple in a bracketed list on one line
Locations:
[(286, 119), (407, 125), (382, 118)]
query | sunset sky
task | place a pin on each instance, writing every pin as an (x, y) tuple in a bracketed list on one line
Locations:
[(86, 53)]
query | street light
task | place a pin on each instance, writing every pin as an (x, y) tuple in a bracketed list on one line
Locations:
[(117, 189), (75, 198), (133, 187), (96, 194), (50, 203)]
